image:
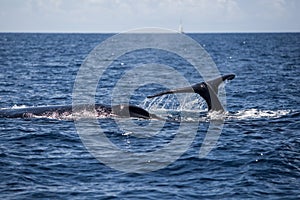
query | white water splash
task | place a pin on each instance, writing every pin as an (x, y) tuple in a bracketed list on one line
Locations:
[(20, 106), (258, 114), (190, 102), (168, 107)]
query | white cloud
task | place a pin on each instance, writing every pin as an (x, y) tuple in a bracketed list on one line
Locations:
[(120, 15)]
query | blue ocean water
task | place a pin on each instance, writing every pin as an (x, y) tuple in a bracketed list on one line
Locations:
[(257, 154)]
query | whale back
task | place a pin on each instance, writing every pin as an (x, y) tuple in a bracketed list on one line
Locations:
[(125, 110)]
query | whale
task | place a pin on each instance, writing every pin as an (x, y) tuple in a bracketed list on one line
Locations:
[(207, 90), (122, 110)]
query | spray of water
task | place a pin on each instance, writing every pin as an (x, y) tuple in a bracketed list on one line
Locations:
[(168, 107)]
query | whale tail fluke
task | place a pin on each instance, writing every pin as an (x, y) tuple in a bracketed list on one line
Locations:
[(207, 90)]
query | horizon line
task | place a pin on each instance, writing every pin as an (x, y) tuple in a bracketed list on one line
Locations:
[(113, 32)]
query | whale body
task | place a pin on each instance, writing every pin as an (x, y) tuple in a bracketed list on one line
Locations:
[(121, 110), (207, 90)]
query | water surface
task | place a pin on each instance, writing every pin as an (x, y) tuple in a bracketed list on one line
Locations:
[(257, 154)]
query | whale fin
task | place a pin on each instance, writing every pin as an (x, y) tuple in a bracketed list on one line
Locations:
[(125, 110)]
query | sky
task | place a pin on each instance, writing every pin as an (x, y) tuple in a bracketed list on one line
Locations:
[(114, 16)]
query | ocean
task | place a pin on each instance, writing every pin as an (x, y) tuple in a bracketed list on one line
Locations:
[(256, 154)]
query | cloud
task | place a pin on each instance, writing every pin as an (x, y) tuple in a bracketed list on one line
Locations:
[(120, 15)]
